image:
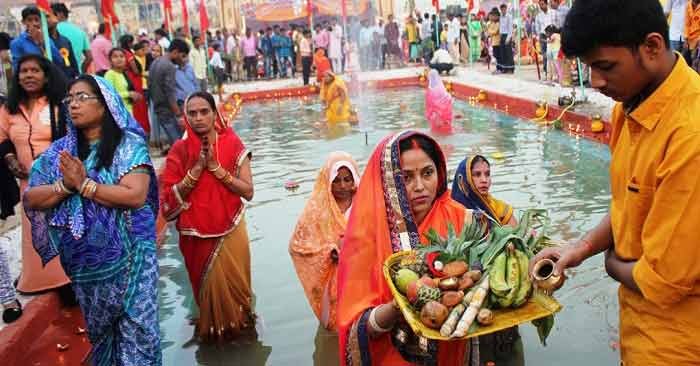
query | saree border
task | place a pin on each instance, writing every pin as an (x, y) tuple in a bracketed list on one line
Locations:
[(215, 253), (357, 347)]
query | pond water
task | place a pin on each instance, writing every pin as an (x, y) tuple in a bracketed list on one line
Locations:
[(542, 169)]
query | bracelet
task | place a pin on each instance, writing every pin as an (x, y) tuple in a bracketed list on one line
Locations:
[(215, 169), (60, 188), (86, 181), (10, 155), (88, 188), (191, 177), (228, 179), (373, 322), (187, 182)]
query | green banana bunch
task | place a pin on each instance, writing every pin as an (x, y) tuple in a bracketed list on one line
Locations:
[(497, 277), (525, 289), (506, 277)]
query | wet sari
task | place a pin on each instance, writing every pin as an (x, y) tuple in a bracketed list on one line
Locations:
[(213, 236), (335, 97), (438, 104), (465, 192), (108, 253), (318, 232), (380, 224)]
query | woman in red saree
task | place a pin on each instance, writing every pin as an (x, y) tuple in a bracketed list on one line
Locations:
[(403, 193), (135, 74), (206, 176), (321, 63)]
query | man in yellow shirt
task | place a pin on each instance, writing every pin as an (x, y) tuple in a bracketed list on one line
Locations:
[(650, 235), (691, 29)]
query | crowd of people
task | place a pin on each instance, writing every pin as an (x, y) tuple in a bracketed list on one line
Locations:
[(74, 141)]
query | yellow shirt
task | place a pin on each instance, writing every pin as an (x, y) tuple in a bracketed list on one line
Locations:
[(655, 214), (691, 30), (411, 33)]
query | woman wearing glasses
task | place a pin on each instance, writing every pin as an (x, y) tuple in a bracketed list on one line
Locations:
[(29, 122), (94, 192)]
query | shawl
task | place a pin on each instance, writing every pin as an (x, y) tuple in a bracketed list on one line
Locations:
[(318, 231)]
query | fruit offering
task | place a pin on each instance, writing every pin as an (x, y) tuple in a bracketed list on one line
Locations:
[(453, 283)]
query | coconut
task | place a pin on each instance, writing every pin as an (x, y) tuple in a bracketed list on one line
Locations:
[(434, 314)]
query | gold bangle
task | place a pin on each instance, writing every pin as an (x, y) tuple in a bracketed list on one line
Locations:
[(215, 169), (190, 176), (91, 190), (220, 175)]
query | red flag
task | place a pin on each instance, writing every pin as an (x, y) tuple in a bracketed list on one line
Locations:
[(203, 17), (185, 16), (43, 5), (168, 9), (108, 12), (470, 5), (436, 4)]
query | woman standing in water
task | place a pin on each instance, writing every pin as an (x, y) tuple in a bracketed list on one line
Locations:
[(206, 178), (402, 195), (30, 120), (438, 104), (334, 95), (93, 201), (471, 188), (317, 238)]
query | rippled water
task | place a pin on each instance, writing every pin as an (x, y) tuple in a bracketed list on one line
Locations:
[(541, 169)]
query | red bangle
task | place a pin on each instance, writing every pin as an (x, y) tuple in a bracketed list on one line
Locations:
[(588, 246)]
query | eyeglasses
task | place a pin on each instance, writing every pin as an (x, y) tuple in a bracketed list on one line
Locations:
[(80, 98)]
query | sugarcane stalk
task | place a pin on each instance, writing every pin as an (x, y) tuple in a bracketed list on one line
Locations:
[(469, 315)]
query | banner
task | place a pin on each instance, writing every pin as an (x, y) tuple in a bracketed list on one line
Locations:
[(203, 17), (185, 17)]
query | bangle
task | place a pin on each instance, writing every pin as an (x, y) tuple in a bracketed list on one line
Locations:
[(60, 188), (215, 169), (191, 177), (219, 175), (88, 188), (373, 322), (10, 155), (83, 185)]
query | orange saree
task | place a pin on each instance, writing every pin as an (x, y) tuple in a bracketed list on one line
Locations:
[(318, 232), (381, 224)]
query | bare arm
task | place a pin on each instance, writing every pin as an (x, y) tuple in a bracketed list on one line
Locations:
[(241, 185), (43, 197), (130, 192), (620, 270)]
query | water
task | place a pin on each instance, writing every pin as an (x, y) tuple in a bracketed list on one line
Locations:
[(541, 169)]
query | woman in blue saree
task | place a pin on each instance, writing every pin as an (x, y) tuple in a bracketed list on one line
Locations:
[(92, 200), (471, 188)]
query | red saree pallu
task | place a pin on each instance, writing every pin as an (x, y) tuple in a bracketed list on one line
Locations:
[(381, 224), (140, 108), (213, 236)]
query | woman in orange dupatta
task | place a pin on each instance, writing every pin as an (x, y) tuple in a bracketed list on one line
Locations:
[(403, 193), (321, 63), (315, 243), (205, 178)]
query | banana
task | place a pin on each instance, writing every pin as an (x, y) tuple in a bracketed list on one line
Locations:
[(525, 289), (497, 278), (512, 278)]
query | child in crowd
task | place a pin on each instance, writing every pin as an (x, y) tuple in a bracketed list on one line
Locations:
[(553, 46), (443, 37), (116, 75), (493, 31)]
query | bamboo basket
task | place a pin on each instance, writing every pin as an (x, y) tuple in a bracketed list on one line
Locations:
[(539, 306)]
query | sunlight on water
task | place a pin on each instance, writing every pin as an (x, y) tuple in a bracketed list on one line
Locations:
[(541, 169)]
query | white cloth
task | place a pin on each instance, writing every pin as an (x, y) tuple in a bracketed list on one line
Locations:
[(453, 31), (441, 56), (216, 61), (543, 20), (506, 24), (676, 8), (164, 44), (559, 15), (426, 29), (366, 35), (230, 44), (335, 50)]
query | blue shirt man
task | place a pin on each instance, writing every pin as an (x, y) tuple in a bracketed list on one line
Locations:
[(185, 83), (26, 43)]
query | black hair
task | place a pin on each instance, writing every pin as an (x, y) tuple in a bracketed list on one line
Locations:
[(5, 41), (216, 46), (431, 148), (126, 41), (479, 159), (551, 29), (102, 28), (113, 50), (179, 45), (54, 89), (111, 133), (195, 38), (139, 45), (617, 23), (206, 96), (160, 32), (29, 11), (60, 8), (495, 11), (504, 5)]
